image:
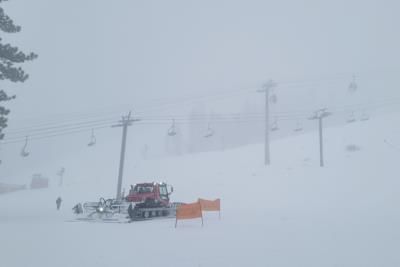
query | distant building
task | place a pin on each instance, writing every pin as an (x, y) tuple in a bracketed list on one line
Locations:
[(7, 188), (38, 181)]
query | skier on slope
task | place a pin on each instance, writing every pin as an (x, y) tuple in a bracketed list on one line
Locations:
[(58, 202)]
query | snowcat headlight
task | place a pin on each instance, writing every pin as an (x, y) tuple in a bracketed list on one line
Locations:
[(101, 209)]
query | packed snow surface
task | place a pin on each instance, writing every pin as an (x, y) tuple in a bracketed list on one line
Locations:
[(292, 213)]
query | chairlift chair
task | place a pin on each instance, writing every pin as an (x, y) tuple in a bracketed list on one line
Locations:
[(351, 118), (24, 153), (210, 132), (364, 117), (298, 128), (92, 139), (171, 130), (273, 98), (274, 126), (314, 116), (353, 85)]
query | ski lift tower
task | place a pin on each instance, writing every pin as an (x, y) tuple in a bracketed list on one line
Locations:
[(125, 122), (266, 89), (320, 115)]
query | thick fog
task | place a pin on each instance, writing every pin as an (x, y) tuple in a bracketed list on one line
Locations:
[(258, 133), (165, 60), (100, 60)]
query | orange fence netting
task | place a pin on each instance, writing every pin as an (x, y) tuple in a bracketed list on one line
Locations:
[(189, 211), (195, 210), (210, 205)]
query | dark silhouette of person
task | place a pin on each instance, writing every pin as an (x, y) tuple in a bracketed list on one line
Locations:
[(78, 208), (130, 211), (58, 202)]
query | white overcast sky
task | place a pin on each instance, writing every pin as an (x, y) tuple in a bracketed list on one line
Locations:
[(95, 54), (98, 56)]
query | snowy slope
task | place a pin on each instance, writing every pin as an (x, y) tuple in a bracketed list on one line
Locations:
[(293, 213)]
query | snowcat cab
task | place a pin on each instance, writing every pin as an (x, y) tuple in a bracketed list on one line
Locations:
[(150, 200), (150, 194)]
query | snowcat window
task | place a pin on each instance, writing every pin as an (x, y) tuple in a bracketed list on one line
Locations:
[(149, 189), (144, 189), (163, 190)]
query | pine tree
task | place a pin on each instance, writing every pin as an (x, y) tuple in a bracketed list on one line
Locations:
[(9, 57)]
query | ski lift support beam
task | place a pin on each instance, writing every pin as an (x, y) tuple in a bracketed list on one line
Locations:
[(320, 115), (125, 122), (266, 90)]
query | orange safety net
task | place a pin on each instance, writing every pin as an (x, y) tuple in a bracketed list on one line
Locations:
[(210, 205), (189, 211)]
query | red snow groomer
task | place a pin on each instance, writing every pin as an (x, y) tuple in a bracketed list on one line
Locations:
[(150, 200)]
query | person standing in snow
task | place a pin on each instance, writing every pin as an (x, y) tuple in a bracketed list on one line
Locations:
[(130, 211), (78, 208), (58, 202)]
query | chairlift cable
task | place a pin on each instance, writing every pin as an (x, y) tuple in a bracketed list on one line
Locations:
[(50, 136), (58, 130)]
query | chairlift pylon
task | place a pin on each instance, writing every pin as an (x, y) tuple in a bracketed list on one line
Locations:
[(92, 139), (172, 130), (24, 153)]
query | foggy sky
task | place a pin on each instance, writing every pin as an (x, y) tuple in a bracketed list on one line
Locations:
[(97, 56)]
